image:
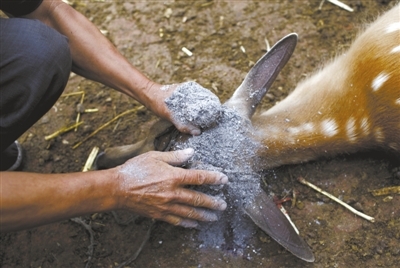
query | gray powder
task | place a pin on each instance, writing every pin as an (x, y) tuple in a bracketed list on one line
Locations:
[(227, 144), (192, 104), (229, 147)]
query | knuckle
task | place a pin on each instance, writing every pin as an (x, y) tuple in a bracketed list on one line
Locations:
[(176, 156), (197, 201), (201, 178), (184, 178), (191, 214), (173, 220), (176, 221)]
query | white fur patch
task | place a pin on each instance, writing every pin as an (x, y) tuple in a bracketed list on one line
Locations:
[(379, 136), (294, 130), (329, 127), (379, 81), (397, 101), (393, 27), (395, 50), (364, 126), (308, 127), (351, 129)]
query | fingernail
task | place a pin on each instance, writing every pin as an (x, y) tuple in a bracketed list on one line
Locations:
[(195, 132), (188, 151), (188, 224), (210, 216), (221, 204), (223, 179)]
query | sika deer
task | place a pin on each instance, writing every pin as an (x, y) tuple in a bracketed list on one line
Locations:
[(353, 104)]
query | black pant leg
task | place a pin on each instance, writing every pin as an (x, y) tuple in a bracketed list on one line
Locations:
[(35, 63)]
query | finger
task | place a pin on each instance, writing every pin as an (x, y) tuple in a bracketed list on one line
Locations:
[(187, 128), (192, 213), (175, 158), (201, 177), (198, 199), (178, 221), (195, 131)]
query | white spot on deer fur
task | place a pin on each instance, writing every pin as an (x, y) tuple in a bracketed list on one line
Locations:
[(393, 27), (294, 130), (308, 127), (397, 101), (329, 127), (379, 81), (364, 125), (395, 50), (351, 129), (378, 133)]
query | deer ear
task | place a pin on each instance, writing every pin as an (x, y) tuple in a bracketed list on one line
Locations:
[(260, 78), (265, 214)]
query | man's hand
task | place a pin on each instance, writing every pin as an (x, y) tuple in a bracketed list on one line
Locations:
[(152, 187), (189, 106), (147, 184)]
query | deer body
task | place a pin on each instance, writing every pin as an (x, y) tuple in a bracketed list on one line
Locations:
[(351, 105)]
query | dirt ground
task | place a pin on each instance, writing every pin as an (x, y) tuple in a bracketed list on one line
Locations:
[(226, 38)]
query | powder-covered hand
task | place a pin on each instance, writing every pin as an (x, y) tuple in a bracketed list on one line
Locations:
[(189, 106), (151, 186)]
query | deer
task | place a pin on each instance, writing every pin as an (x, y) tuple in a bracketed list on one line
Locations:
[(350, 105)]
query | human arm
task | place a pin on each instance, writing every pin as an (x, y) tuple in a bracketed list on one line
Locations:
[(29, 199), (95, 57)]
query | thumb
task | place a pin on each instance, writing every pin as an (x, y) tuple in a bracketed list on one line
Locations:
[(188, 128)]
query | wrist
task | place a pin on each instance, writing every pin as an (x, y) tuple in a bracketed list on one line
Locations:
[(102, 191), (155, 95), (113, 197)]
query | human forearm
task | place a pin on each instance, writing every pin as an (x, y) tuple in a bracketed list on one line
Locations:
[(94, 56), (29, 199)]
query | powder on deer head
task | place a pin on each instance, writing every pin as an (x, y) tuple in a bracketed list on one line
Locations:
[(192, 104)]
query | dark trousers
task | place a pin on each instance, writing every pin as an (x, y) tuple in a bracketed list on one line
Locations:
[(35, 63)]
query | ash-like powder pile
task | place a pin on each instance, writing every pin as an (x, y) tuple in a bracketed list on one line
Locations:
[(229, 147), (192, 104)]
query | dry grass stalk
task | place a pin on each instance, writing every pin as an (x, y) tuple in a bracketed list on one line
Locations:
[(72, 94), (341, 5), (78, 116), (90, 159), (284, 211), (187, 51), (267, 45), (386, 191), (61, 131), (316, 188), (94, 110)]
